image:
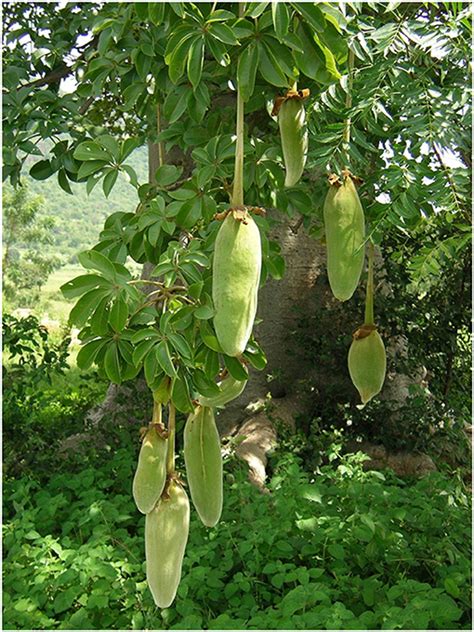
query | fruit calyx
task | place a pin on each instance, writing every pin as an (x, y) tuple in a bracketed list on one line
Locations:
[(291, 94)]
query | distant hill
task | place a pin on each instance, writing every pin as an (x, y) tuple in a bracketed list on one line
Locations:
[(79, 218)]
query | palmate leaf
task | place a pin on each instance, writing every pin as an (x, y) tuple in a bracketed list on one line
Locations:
[(88, 353), (164, 358), (180, 394), (112, 363), (247, 70), (236, 368), (87, 305), (82, 284)]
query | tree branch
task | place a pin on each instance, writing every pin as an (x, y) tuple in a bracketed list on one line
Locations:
[(62, 71)]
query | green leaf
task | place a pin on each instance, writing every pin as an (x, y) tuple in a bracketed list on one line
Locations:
[(330, 61), (208, 337), (110, 144), (204, 385), (88, 353), (195, 61), (281, 18), (211, 364), (156, 12), (255, 355), (118, 314), (247, 70), (90, 150), (204, 312), (88, 168), (167, 174), (236, 368), (144, 334), (109, 180), (270, 69), (100, 318), (177, 59), (112, 364), (312, 15), (141, 9), (142, 349), (82, 284), (97, 261), (220, 16), (150, 366), (63, 181), (180, 394), (164, 358), (42, 170), (255, 9), (181, 345), (223, 33), (86, 305)]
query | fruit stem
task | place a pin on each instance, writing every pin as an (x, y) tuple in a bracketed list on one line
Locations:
[(156, 419), (347, 128), (171, 437), (238, 190), (369, 299)]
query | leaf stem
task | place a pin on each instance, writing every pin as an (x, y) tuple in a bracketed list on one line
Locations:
[(171, 438), (369, 298), (347, 127)]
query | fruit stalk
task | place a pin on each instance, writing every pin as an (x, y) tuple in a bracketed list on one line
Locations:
[(238, 190), (369, 298), (171, 438), (347, 126)]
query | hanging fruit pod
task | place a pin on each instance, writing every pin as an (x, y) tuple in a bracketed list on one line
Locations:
[(150, 476), (235, 279), (367, 362), (294, 134), (166, 535), (203, 459), (345, 232)]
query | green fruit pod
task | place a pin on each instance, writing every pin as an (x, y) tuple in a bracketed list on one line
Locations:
[(235, 278), (367, 363), (203, 459), (294, 138), (150, 476), (345, 232), (166, 535), (230, 389)]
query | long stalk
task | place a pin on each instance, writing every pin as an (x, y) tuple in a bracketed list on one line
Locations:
[(347, 127), (369, 299), (171, 438), (238, 189), (157, 417)]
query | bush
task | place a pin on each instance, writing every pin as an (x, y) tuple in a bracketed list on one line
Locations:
[(44, 400), (351, 549)]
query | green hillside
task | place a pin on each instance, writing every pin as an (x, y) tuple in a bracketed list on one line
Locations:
[(79, 218)]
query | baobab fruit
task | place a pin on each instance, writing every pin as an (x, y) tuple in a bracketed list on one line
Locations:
[(345, 232), (235, 278), (203, 459), (367, 362), (294, 138), (166, 535), (150, 476)]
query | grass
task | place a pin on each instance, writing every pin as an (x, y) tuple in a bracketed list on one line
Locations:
[(53, 305)]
